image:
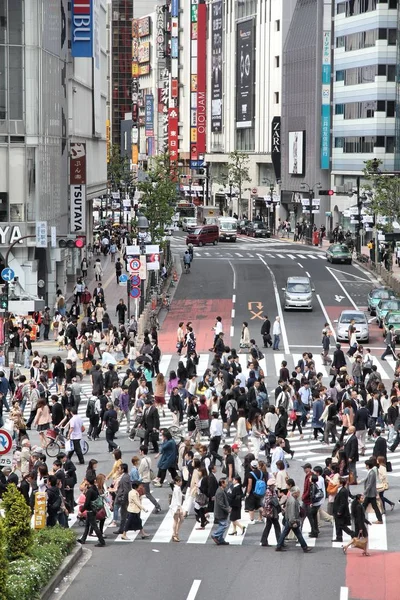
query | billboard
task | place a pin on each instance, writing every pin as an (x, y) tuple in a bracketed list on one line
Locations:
[(198, 82), (276, 146), (149, 115), (326, 101), (144, 27), (173, 131), (77, 180), (245, 67), (144, 52), (82, 28), (296, 152), (216, 78)]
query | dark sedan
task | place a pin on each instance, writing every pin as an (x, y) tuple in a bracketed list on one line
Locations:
[(241, 226), (257, 229)]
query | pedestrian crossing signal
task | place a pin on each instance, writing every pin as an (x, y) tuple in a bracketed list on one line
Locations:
[(79, 242), (3, 302)]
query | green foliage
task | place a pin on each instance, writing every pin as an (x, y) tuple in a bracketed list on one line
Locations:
[(17, 523), (28, 575), (64, 538), (3, 561), (385, 197), (238, 169), (118, 169), (158, 196)]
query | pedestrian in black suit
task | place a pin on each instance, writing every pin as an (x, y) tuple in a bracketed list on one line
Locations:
[(380, 446), (339, 359), (351, 452), (266, 332), (151, 423), (341, 512)]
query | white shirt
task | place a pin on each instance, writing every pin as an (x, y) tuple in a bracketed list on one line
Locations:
[(218, 328), (215, 428), (72, 355), (176, 500), (276, 328), (75, 428)]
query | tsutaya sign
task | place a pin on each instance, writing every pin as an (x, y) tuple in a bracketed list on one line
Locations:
[(10, 234)]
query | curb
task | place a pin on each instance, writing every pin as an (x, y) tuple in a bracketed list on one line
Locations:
[(68, 563)]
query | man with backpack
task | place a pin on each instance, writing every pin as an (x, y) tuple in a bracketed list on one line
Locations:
[(110, 377), (93, 410), (111, 425), (255, 490)]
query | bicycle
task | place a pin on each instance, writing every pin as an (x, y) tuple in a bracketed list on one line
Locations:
[(166, 301), (187, 267), (57, 443)]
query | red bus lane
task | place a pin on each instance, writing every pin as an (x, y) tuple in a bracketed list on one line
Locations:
[(374, 577)]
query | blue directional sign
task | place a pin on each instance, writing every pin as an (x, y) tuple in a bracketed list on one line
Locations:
[(123, 278), (7, 274)]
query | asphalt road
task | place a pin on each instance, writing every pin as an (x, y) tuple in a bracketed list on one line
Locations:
[(250, 275)]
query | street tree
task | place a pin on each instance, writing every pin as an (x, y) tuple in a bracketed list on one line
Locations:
[(158, 196), (238, 170), (119, 172), (385, 193)]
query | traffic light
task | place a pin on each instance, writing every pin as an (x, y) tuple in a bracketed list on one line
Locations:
[(326, 192), (3, 302), (78, 242)]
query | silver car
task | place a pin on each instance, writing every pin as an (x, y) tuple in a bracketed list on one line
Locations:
[(298, 293), (360, 323)]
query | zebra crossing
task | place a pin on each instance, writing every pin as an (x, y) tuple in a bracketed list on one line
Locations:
[(159, 527), (245, 254)]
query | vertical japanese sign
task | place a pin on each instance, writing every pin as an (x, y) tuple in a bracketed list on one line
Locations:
[(135, 91), (173, 127), (149, 115), (160, 32), (82, 28), (326, 101), (41, 234), (163, 103), (198, 85), (40, 511), (245, 68), (216, 80), (77, 180)]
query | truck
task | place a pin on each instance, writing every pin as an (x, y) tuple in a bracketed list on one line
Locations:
[(227, 229), (207, 215)]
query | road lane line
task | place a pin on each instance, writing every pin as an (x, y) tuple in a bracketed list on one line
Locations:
[(301, 256), (237, 254), (278, 306), (341, 286), (326, 316), (164, 362), (234, 275), (233, 313), (308, 274), (232, 331), (381, 370), (344, 593), (163, 534), (278, 358), (280, 255), (377, 539), (319, 365), (300, 265), (203, 364), (194, 589), (233, 298), (292, 256)]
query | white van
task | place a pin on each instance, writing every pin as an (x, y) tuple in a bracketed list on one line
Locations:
[(227, 229)]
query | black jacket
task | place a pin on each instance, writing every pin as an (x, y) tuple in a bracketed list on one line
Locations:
[(380, 447), (151, 418), (53, 500), (70, 473), (361, 419), (370, 407), (266, 327), (281, 427), (392, 414), (339, 359), (351, 448), (341, 510), (124, 487), (91, 494), (57, 413), (212, 485)]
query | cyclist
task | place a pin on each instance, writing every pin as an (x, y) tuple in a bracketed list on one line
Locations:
[(187, 259), (190, 249)]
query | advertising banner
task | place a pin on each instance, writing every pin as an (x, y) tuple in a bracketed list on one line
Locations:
[(144, 52), (198, 85), (149, 115), (216, 80), (326, 101), (173, 134), (82, 28), (296, 152), (144, 27), (245, 68), (77, 187), (276, 146)]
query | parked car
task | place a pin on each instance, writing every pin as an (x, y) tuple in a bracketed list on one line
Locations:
[(377, 294), (392, 318), (257, 229), (339, 253), (383, 307), (189, 223), (241, 226), (360, 323)]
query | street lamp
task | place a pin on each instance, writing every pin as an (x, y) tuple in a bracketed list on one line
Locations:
[(310, 190), (361, 200)]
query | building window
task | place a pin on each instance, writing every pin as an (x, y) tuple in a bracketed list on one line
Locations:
[(277, 61), (339, 109), (390, 108), (365, 145), (277, 25), (390, 144), (276, 96), (245, 140), (11, 60), (340, 75)]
